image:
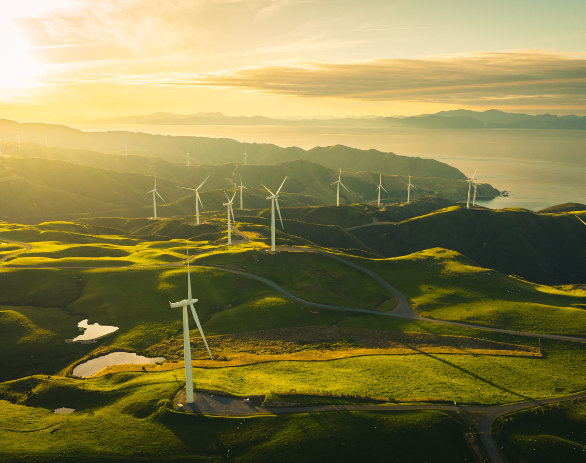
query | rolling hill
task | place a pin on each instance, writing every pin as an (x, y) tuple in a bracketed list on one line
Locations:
[(546, 249), (211, 151)]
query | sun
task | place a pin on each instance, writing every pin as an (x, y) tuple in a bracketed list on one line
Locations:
[(18, 69)]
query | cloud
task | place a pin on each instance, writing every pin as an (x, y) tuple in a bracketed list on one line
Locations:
[(527, 76)]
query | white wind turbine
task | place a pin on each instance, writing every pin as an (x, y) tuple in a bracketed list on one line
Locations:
[(230, 215), (245, 156), (242, 187), (409, 186), (339, 182), (470, 181), (475, 189), (379, 187), (186, 340), (155, 192), (188, 159), (197, 198), (274, 201)]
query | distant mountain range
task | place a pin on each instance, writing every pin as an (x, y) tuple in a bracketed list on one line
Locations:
[(456, 119), (215, 151)]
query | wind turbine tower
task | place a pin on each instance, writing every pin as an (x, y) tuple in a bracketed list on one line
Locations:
[(242, 187), (186, 340), (470, 181), (339, 182), (230, 215), (379, 187), (188, 159), (409, 186), (197, 198), (474, 198), (274, 201), (155, 192)]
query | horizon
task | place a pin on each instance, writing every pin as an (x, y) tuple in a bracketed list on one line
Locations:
[(85, 60)]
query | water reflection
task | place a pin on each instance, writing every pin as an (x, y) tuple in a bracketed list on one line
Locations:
[(92, 332), (91, 367)]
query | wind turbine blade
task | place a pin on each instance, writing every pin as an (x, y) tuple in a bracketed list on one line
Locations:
[(384, 189), (203, 182), (413, 186), (279, 211), (344, 187), (240, 177), (281, 186), (232, 215), (194, 313), (268, 190), (149, 192), (160, 196), (227, 196), (334, 182), (474, 175), (233, 196), (197, 198), (580, 219), (185, 188)]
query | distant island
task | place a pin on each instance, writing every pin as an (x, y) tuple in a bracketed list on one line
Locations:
[(456, 119)]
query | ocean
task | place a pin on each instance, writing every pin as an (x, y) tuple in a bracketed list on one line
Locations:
[(538, 168)]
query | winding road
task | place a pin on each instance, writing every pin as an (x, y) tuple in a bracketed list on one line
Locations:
[(403, 310)]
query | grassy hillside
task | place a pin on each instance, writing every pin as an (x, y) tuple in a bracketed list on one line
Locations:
[(415, 208), (445, 285), (343, 216), (219, 151), (541, 248), (546, 434)]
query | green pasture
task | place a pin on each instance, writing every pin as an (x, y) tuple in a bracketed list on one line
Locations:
[(547, 434), (310, 276), (445, 285), (127, 417)]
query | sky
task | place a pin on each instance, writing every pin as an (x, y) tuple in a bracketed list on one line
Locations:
[(69, 61)]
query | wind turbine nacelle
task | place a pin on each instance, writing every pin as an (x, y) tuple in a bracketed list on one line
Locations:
[(184, 302)]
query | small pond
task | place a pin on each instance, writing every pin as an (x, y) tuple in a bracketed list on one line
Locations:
[(93, 331), (63, 410), (91, 367)]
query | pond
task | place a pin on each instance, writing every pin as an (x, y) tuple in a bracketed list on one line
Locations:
[(91, 367), (64, 410), (92, 332)]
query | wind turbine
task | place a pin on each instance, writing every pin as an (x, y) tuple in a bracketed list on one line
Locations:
[(245, 155), (242, 187), (230, 214), (409, 186), (379, 187), (470, 181), (188, 159), (339, 182), (186, 341), (275, 201), (197, 198), (154, 191), (580, 219), (474, 198)]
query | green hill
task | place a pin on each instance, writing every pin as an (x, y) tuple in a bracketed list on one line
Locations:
[(540, 248), (566, 207)]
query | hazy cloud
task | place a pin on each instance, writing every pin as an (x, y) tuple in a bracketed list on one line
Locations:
[(511, 76)]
